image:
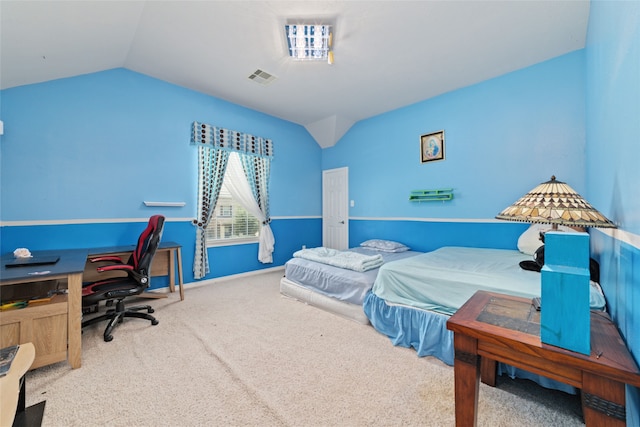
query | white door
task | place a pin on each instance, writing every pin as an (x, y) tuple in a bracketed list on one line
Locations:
[(335, 208)]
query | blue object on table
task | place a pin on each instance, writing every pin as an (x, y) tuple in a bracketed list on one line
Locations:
[(565, 319)]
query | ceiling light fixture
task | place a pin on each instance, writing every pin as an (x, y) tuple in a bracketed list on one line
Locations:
[(310, 42)]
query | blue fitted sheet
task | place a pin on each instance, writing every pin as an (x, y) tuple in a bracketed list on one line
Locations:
[(342, 284), (443, 280)]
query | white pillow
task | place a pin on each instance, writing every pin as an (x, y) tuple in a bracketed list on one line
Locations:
[(529, 241), (384, 245)]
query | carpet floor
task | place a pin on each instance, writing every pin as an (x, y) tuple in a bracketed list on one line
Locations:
[(237, 353)]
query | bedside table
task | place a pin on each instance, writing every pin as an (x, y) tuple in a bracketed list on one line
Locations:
[(492, 328)]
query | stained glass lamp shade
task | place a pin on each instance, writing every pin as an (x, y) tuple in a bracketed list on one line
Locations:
[(554, 202)]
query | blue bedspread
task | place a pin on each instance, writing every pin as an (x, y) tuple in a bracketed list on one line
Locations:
[(412, 328), (443, 280), (412, 299), (427, 333)]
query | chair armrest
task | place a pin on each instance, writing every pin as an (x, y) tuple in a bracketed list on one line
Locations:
[(117, 267), (110, 258)]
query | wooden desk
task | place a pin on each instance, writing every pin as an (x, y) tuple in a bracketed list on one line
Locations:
[(55, 329), (168, 256), (493, 327), (12, 390)]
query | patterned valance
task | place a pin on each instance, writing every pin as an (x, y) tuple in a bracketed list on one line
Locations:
[(215, 137)]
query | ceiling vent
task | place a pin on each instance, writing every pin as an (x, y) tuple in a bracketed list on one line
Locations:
[(262, 77)]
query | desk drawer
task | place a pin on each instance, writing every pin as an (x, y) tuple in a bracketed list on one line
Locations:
[(44, 325)]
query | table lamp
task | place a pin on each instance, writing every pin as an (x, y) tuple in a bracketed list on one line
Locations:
[(565, 311)]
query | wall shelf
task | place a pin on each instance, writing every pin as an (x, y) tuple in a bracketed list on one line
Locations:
[(442, 194), (165, 204)]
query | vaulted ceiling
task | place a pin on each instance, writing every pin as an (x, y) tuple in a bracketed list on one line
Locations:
[(388, 54)]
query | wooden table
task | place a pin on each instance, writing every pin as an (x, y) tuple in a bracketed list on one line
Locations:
[(55, 328), (494, 328)]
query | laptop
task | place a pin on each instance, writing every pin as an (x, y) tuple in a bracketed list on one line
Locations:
[(32, 261)]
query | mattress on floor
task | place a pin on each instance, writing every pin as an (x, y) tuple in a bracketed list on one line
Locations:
[(339, 283), (326, 303)]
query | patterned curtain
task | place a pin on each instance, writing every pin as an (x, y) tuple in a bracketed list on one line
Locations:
[(212, 165), (231, 140), (214, 145), (257, 171)]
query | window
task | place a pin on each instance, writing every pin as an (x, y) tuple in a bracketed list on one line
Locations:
[(230, 222), (225, 211)]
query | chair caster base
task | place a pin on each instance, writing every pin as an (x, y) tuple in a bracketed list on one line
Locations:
[(117, 315)]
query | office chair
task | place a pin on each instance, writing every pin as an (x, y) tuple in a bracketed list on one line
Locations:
[(137, 271)]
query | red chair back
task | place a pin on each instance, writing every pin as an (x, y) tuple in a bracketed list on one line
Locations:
[(147, 244)]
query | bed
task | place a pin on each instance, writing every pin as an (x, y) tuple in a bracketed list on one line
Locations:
[(412, 299), (339, 290)]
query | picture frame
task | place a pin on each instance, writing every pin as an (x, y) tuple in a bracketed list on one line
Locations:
[(432, 147)]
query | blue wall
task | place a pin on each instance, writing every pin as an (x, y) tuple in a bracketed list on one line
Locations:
[(613, 160), (613, 108), (80, 155), (502, 137), (427, 236)]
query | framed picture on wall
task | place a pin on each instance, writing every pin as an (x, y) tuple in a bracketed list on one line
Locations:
[(432, 147)]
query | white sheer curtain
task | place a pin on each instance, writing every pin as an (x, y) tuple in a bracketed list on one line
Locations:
[(240, 190)]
